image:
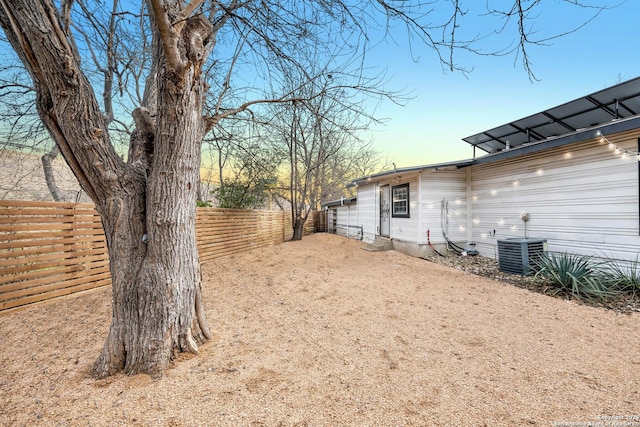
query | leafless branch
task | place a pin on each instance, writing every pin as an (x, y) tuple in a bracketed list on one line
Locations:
[(167, 34)]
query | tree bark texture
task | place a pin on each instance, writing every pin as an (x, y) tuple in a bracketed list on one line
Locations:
[(147, 205)]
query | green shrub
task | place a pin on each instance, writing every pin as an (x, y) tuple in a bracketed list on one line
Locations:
[(238, 194), (574, 274), (203, 203), (624, 276)]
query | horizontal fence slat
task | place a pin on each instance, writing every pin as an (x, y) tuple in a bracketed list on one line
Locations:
[(39, 286), (23, 212), (13, 228), (36, 260), (49, 249), (46, 220), (5, 305), (54, 264), (52, 249), (59, 269), (50, 234), (58, 241), (39, 204)]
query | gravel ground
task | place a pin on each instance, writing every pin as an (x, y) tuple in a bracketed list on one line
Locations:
[(322, 333)]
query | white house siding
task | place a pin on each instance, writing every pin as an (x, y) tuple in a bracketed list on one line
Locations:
[(406, 229), (582, 198), (437, 186), (367, 203), (347, 219)]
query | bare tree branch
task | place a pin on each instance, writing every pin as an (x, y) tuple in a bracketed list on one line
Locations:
[(168, 35)]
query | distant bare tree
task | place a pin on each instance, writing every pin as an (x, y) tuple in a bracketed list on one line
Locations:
[(318, 131), (355, 161)]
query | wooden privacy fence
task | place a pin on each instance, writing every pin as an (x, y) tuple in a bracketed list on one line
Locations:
[(222, 232), (50, 249)]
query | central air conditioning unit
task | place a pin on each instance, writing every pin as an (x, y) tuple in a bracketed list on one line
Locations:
[(519, 256)]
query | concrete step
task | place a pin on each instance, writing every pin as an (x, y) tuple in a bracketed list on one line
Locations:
[(379, 244)]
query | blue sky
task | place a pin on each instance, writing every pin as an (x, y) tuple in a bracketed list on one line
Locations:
[(447, 107)]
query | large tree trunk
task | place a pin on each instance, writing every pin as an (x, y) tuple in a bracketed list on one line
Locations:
[(158, 309), (167, 285), (147, 205)]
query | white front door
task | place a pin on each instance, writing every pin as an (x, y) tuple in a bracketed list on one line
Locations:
[(385, 210)]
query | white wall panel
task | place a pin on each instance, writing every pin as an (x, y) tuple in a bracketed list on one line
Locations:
[(449, 186), (582, 198), (347, 220), (343, 214), (367, 211), (406, 229)]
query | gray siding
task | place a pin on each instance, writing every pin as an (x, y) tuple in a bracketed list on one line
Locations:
[(407, 229), (347, 220)]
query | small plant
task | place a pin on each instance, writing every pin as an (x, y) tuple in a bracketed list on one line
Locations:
[(203, 203), (578, 275), (624, 276)]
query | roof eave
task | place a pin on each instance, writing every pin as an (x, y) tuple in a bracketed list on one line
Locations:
[(403, 171), (615, 126), (340, 202)]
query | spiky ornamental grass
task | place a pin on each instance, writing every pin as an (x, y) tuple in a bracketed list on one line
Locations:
[(624, 276), (578, 275)]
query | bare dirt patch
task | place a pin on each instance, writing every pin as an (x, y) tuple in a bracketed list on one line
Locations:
[(322, 333)]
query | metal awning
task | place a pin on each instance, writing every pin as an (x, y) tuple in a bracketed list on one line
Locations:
[(610, 104)]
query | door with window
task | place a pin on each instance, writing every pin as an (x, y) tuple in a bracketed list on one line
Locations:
[(385, 210)]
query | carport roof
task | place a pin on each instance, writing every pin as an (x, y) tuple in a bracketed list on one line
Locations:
[(602, 107)]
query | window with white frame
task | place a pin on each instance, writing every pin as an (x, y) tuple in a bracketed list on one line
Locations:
[(400, 198)]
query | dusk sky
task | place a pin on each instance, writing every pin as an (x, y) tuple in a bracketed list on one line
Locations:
[(447, 107)]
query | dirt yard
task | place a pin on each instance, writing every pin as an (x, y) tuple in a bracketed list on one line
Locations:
[(322, 333)]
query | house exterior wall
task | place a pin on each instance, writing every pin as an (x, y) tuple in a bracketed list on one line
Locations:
[(368, 211), (438, 187), (582, 198), (427, 190), (346, 219), (406, 229), (342, 215)]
